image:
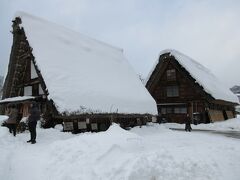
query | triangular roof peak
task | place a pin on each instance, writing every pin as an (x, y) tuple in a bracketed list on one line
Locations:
[(203, 76), (25, 15)]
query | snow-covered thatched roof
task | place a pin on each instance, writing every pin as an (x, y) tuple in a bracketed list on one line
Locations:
[(83, 73), (202, 75)]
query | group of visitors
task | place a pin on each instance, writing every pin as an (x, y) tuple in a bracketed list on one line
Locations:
[(33, 117)]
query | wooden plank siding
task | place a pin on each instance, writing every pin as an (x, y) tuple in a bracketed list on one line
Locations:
[(190, 94)]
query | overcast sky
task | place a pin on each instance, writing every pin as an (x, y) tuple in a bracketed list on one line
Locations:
[(206, 30)]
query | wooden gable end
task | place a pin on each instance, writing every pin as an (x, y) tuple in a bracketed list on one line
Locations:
[(158, 83), (23, 77), (177, 93)]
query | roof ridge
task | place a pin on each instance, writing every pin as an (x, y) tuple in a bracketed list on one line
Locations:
[(193, 60), (22, 14)]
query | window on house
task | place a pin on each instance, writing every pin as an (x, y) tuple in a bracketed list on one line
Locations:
[(177, 110), (173, 110), (163, 110), (171, 74), (172, 91), (169, 110), (180, 110), (183, 110)]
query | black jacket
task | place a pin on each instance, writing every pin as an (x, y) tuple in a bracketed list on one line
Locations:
[(188, 121), (34, 115)]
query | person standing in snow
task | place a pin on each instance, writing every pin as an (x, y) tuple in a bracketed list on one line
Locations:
[(12, 120), (32, 121), (188, 124)]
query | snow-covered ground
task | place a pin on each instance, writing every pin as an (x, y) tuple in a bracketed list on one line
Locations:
[(148, 153), (3, 118), (230, 125)]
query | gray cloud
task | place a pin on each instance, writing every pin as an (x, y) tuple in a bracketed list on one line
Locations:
[(207, 31)]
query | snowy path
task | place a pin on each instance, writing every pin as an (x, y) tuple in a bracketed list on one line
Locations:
[(231, 134), (21, 160), (147, 153)]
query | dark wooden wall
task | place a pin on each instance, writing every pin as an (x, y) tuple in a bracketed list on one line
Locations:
[(191, 95)]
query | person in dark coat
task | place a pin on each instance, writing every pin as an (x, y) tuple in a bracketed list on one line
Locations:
[(32, 121), (188, 124), (12, 120)]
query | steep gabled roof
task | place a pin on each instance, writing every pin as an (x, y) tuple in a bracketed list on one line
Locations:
[(201, 74), (84, 74)]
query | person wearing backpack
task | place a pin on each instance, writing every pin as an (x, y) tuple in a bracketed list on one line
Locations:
[(12, 120)]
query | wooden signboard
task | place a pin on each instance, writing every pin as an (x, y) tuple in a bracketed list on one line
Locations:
[(94, 126), (154, 119), (215, 115), (82, 125), (230, 114), (68, 126)]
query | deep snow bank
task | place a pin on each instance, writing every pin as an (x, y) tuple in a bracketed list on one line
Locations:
[(101, 155), (121, 154), (147, 153)]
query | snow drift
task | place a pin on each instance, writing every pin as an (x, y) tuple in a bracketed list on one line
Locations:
[(152, 152)]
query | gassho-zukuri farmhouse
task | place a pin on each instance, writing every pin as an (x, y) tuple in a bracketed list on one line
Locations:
[(77, 80), (182, 86)]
